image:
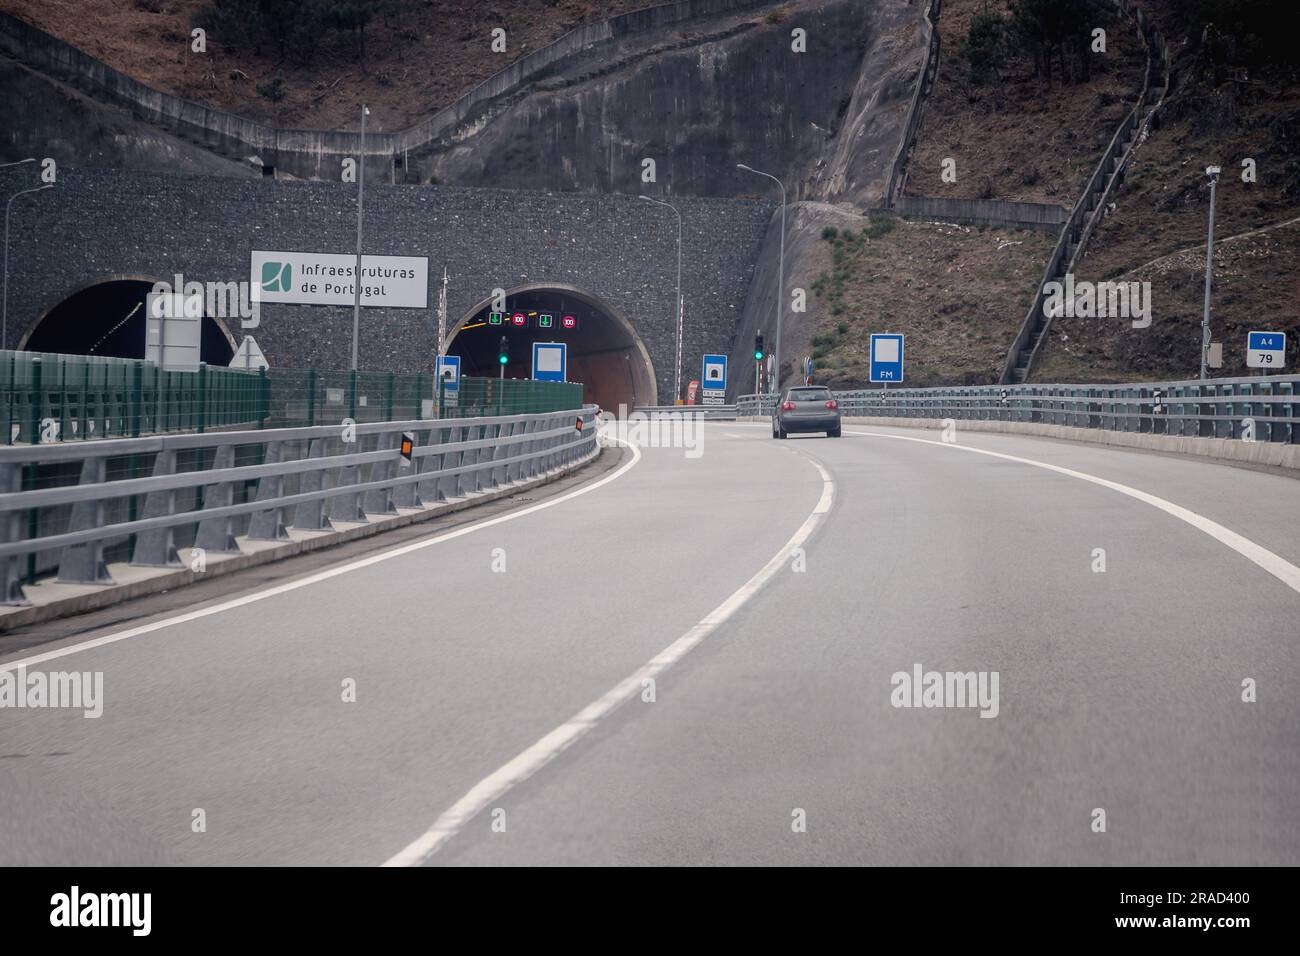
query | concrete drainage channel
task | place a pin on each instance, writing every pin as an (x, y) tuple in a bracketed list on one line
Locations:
[(303, 496)]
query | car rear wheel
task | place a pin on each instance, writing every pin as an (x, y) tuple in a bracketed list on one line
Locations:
[(834, 432)]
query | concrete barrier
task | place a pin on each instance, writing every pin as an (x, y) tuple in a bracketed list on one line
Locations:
[(1047, 217)]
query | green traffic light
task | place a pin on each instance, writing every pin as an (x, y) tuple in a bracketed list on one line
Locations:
[(758, 356), (503, 359)]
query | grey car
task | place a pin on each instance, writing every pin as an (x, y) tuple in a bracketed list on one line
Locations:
[(806, 408)]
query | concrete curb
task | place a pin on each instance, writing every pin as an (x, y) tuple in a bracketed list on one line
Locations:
[(1285, 458), (133, 582)]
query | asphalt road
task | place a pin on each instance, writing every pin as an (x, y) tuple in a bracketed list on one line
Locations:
[(1118, 690)]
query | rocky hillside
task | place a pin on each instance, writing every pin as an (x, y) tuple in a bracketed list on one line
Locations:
[(409, 58), (1236, 99)]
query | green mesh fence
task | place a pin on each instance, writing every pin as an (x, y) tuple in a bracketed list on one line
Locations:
[(48, 397)]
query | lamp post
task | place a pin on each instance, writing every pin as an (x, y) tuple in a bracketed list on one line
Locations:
[(1213, 173), (356, 279), (4, 308), (780, 280), (677, 374)]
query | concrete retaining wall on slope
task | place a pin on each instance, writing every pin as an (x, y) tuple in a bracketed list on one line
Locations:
[(308, 152), (1046, 217)]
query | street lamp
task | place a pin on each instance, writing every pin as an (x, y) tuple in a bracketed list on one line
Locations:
[(356, 279), (677, 375), (1213, 173), (780, 279), (4, 308)]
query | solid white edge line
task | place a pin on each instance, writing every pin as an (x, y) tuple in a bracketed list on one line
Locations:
[(550, 746), (1274, 564), (318, 576)]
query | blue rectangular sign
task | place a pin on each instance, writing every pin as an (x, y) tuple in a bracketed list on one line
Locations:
[(886, 358), (715, 372), (550, 361), (449, 372)]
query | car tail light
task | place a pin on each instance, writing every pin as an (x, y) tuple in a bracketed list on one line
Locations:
[(787, 406), (832, 404)]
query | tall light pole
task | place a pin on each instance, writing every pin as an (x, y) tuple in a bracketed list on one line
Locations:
[(780, 281), (681, 306), (4, 309), (356, 278), (1213, 173)]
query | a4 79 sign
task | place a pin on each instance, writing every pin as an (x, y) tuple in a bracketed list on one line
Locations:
[(1266, 350)]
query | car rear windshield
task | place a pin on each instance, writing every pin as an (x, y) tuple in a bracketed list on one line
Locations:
[(809, 394)]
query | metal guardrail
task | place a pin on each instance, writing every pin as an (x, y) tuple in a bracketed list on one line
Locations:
[(1214, 408), (48, 397), (72, 507), (710, 412)]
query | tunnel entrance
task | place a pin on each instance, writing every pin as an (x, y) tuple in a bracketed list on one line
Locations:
[(605, 353), (108, 318)]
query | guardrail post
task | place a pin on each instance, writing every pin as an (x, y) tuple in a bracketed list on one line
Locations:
[(471, 481), (270, 525), (348, 507), (218, 534), (496, 474), (379, 501), (452, 485), (84, 563), (156, 547), (428, 490), (408, 495), (311, 515), (11, 529)]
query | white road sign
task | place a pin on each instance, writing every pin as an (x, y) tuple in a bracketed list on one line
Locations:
[(249, 355), (311, 278), (1266, 350)]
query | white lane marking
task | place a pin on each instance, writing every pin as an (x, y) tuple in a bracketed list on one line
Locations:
[(523, 766), (318, 576), (1274, 564)]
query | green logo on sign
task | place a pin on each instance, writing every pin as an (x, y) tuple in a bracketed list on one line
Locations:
[(277, 276)]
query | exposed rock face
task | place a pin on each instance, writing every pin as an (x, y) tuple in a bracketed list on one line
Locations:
[(697, 102)]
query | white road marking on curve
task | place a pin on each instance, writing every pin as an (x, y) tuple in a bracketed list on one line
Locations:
[(527, 763), (318, 576), (1274, 564)]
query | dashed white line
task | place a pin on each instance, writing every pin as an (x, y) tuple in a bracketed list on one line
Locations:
[(523, 766)]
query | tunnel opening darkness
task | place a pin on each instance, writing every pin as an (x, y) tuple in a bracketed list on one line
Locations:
[(604, 352), (108, 319)]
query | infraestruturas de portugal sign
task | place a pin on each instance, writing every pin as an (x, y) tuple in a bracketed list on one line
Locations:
[(319, 278)]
